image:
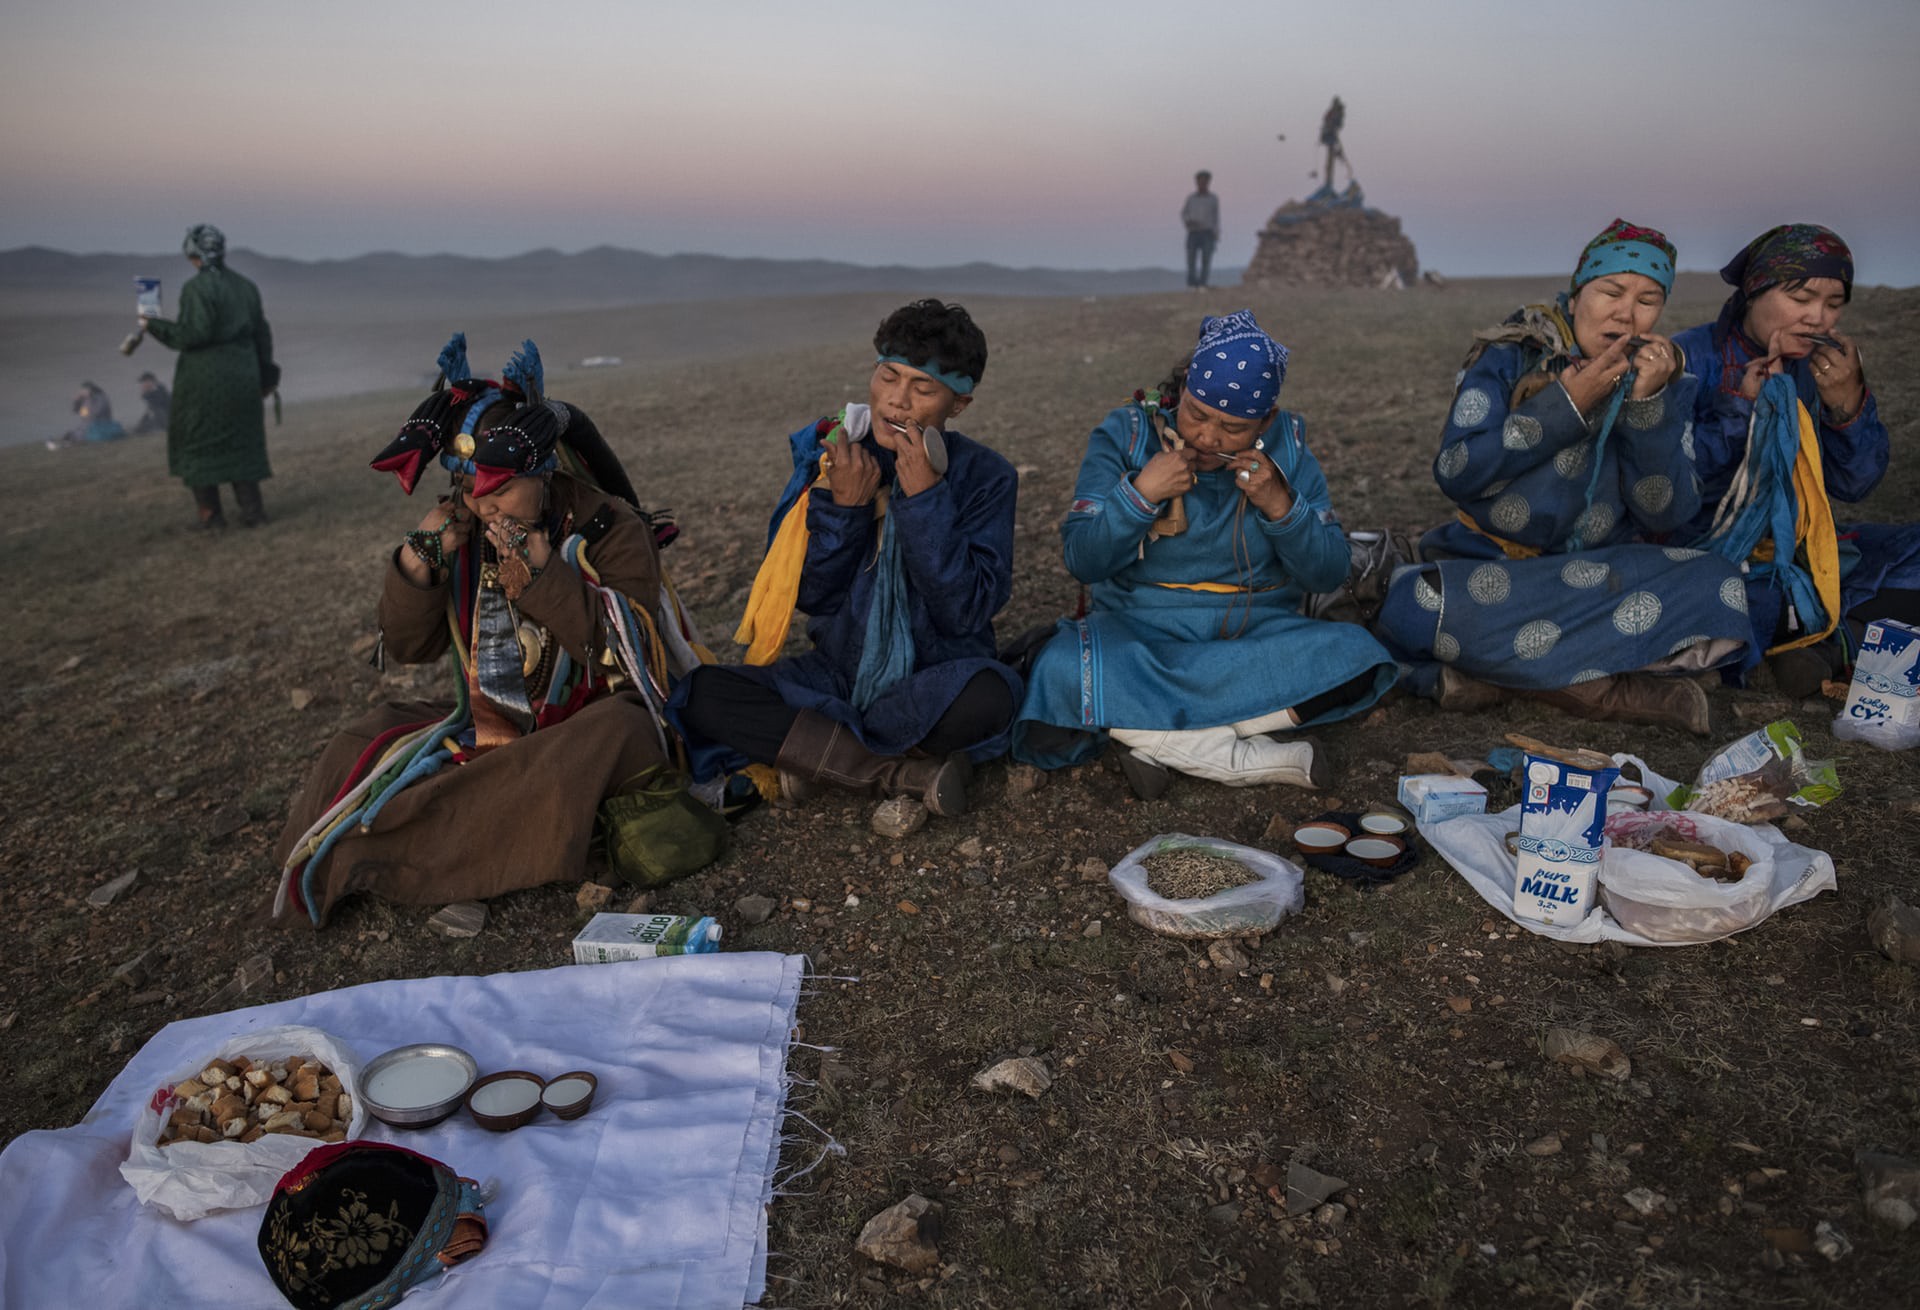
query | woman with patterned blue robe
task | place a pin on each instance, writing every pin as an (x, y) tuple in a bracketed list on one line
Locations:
[(1569, 453), (1199, 521), (1791, 285)]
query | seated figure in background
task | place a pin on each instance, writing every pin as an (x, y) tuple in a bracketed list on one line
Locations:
[(541, 574), (1569, 451), (159, 403), (1820, 426), (896, 540), (1199, 521), (97, 423)]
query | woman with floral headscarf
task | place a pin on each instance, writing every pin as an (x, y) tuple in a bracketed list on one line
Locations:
[(217, 431), (1199, 521), (1568, 451), (1778, 378), (542, 578)]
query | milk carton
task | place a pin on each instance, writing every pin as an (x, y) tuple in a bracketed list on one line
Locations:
[(1562, 813), (1437, 797), (146, 297), (1886, 678), (610, 937)]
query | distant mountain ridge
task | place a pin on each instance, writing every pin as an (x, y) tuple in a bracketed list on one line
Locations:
[(550, 280)]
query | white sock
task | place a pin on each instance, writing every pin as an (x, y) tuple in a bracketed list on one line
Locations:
[(1278, 721)]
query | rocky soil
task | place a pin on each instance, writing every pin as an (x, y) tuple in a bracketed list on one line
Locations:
[(1396, 1098)]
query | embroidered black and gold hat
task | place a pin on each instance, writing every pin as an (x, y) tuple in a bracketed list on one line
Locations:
[(356, 1224)]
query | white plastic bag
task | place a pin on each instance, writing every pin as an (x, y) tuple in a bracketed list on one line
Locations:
[(1235, 912), (191, 1179), (1884, 733), (1664, 900)]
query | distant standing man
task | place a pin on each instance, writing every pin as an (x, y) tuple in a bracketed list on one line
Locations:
[(217, 431), (1201, 214)]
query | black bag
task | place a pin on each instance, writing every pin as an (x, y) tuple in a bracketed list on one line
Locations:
[(1376, 553)]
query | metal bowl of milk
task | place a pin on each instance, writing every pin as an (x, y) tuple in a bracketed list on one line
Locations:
[(417, 1086)]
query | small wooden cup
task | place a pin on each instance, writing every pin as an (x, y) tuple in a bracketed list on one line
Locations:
[(498, 1103), (563, 1094)]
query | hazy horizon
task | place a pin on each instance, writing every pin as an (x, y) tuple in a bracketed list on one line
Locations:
[(1502, 133)]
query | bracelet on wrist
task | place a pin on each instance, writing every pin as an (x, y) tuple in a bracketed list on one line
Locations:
[(427, 545)]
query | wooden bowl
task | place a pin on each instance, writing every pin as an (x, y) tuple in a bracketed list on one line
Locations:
[(1385, 821), (1322, 837), (570, 1095), (504, 1101), (1377, 849)]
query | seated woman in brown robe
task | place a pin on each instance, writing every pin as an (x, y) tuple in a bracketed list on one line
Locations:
[(541, 575)]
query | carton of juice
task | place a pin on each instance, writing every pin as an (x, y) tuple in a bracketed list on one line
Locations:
[(1562, 813), (609, 937)]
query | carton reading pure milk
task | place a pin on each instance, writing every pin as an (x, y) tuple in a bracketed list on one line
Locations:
[(1886, 678), (1562, 813)]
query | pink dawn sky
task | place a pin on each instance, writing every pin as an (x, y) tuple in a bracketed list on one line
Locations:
[(1504, 134)]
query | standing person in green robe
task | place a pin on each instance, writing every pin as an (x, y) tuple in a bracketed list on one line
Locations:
[(217, 432)]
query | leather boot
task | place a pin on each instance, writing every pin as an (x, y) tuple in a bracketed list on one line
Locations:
[(207, 501), (1221, 755), (252, 511), (1464, 695), (1634, 698), (818, 749), (1799, 672)]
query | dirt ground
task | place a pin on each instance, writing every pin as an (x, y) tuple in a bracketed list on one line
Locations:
[(166, 690)]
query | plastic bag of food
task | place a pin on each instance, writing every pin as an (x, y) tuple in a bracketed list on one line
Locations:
[(189, 1179), (1761, 777), (1269, 888), (1673, 876)]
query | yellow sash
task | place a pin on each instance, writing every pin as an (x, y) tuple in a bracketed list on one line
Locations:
[(776, 587), (1813, 531)]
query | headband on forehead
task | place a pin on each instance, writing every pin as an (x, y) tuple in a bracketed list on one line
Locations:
[(1624, 247), (958, 383), (1237, 368)]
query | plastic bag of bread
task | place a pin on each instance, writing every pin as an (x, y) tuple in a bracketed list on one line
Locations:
[(219, 1134), (1763, 776), (1672, 876)]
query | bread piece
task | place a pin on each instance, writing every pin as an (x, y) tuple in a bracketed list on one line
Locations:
[(305, 1086), (315, 1122), (275, 1095), (229, 1108), (285, 1119), (216, 1073), (1693, 853), (253, 1134)]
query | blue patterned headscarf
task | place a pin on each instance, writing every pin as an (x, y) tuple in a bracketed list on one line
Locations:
[(206, 242), (1237, 368), (1627, 248)]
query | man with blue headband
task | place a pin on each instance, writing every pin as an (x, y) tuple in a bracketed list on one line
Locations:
[(895, 537), (1200, 521)]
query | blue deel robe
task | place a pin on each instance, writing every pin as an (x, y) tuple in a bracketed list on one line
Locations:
[(1152, 655), (1853, 459), (956, 547), (1536, 475)]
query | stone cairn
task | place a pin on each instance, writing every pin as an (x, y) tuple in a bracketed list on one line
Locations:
[(1332, 239)]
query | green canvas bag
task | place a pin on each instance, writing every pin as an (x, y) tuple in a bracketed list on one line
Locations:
[(655, 831)]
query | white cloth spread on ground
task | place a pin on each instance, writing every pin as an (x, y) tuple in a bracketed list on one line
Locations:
[(1475, 845), (656, 1197)]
